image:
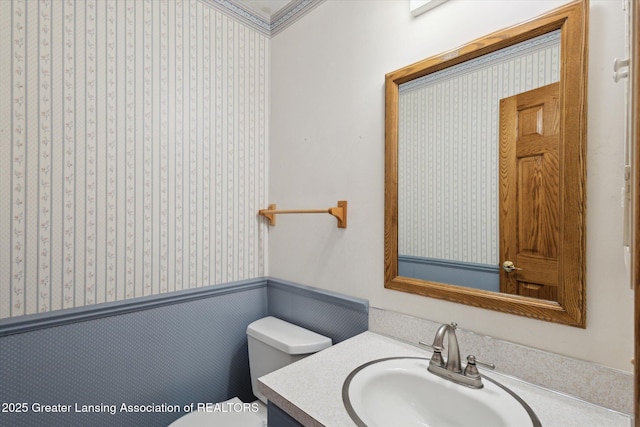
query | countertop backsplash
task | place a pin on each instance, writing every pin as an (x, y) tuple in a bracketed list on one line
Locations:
[(597, 384)]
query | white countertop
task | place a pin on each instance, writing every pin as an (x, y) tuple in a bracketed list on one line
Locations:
[(310, 390)]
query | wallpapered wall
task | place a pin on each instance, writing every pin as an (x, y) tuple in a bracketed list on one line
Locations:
[(448, 150), (133, 151)]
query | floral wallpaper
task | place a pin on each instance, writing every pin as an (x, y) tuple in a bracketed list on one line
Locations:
[(448, 150), (133, 150)]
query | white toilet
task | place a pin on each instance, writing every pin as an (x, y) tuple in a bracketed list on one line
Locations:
[(273, 343)]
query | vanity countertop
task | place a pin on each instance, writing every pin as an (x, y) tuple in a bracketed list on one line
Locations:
[(310, 390)]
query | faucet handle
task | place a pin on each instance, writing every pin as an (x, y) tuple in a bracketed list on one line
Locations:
[(471, 360), (471, 370), (437, 352)]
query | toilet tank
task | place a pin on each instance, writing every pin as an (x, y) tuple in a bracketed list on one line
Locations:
[(274, 343)]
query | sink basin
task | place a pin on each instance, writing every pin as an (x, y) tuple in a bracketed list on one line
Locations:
[(401, 392)]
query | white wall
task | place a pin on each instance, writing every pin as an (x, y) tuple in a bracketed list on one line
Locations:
[(327, 144)]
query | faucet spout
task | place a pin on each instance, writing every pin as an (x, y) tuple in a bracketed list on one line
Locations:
[(452, 363)]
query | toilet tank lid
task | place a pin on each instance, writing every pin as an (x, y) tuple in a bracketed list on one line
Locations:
[(287, 337)]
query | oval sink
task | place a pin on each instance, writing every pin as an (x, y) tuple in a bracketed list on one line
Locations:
[(400, 391)]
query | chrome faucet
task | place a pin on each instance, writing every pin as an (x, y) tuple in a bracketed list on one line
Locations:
[(451, 368)]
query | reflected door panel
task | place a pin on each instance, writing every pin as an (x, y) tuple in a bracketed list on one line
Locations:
[(529, 192)]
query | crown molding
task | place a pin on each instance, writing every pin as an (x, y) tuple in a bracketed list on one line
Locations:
[(267, 26)]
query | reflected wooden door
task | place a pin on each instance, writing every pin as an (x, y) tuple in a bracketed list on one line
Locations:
[(530, 171)]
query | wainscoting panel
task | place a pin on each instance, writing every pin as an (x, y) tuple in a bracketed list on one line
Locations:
[(471, 275), (173, 354), (333, 315), (173, 349)]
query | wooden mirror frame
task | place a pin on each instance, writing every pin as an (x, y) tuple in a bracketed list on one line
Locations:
[(570, 309)]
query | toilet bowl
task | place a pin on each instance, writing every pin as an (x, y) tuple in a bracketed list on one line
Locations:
[(228, 417), (273, 344)]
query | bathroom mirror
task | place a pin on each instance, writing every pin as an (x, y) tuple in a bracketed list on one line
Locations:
[(537, 221)]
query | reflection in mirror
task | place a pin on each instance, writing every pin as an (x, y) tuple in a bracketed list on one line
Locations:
[(485, 171), (448, 131)]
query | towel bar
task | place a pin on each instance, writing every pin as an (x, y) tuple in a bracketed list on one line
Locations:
[(340, 212)]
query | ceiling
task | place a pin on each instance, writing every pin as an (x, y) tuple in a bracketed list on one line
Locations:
[(267, 16), (266, 8)]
